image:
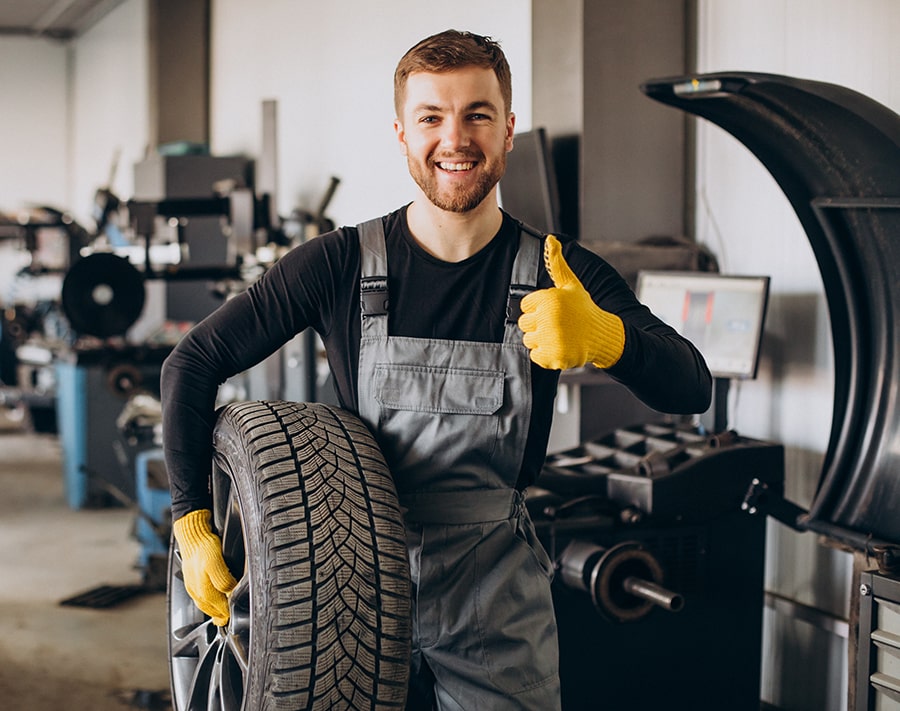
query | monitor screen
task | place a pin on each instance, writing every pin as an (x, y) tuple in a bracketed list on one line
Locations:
[(722, 315), (528, 189)]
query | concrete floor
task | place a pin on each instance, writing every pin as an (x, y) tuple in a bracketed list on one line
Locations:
[(60, 657)]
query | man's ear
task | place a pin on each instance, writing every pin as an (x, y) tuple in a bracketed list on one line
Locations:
[(510, 131), (401, 135)]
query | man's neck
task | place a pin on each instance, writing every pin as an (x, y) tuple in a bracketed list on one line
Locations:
[(453, 236)]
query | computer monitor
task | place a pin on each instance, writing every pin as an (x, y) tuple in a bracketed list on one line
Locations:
[(722, 315), (528, 189)]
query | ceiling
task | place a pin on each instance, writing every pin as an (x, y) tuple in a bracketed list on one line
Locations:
[(57, 19)]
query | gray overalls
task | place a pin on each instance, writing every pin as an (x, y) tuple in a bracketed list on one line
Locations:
[(452, 418)]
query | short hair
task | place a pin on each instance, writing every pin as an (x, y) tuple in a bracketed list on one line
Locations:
[(451, 50)]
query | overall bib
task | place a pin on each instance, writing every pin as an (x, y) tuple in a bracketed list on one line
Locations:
[(452, 418)]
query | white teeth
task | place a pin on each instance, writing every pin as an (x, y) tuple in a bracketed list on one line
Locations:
[(456, 166)]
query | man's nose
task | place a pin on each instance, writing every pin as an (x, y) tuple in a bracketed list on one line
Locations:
[(454, 134)]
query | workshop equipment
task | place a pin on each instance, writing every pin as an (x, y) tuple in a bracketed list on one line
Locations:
[(836, 155), (302, 224), (153, 526), (303, 379), (659, 591), (624, 581), (878, 664), (209, 203), (140, 430), (103, 295), (32, 325), (51, 236), (93, 385)]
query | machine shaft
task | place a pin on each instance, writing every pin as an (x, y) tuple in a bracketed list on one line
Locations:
[(651, 592)]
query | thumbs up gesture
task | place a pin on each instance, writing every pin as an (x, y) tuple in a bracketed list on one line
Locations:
[(563, 327)]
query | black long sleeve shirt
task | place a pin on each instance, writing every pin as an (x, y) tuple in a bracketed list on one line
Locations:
[(316, 285)]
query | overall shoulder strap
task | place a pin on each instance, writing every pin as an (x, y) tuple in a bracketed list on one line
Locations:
[(373, 288), (524, 272)]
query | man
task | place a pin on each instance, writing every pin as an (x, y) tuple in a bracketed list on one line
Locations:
[(456, 386)]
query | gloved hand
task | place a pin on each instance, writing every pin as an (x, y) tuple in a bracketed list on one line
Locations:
[(206, 577), (563, 326)]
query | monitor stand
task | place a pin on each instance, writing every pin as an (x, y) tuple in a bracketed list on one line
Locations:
[(715, 420)]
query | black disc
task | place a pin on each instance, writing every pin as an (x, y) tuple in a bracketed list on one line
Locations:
[(102, 295)]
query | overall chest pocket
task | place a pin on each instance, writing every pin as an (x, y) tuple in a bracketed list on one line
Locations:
[(443, 391)]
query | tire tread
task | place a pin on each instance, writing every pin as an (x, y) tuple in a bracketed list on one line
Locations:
[(333, 545)]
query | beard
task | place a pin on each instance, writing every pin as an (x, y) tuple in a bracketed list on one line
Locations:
[(461, 198)]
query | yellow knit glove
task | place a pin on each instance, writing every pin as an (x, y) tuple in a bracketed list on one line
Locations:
[(563, 327), (206, 577)]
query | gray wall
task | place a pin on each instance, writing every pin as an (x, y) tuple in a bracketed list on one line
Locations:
[(622, 160), (557, 46), (633, 160)]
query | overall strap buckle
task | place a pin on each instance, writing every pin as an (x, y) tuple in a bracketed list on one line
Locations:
[(373, 296), (514, 301)]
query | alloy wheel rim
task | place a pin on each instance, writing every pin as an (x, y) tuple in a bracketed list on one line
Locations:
[(209, 665)]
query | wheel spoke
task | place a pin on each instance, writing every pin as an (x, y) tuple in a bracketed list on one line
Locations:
[(213, 695), (238, 646), (200, 688), (221, 493), (231, 679), (208, 664), (232, 532), (191, 641)]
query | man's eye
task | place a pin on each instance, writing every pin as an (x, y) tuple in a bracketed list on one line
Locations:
[(428, 119), (479, 117)]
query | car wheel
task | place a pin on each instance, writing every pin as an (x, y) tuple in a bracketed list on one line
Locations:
[(312, 531)]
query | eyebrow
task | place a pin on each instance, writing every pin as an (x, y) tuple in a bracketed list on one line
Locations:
[(474, 106)]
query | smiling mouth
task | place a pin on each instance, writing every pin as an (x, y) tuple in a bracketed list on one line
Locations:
[(455, 167)]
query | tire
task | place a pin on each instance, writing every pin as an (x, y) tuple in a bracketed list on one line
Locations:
[(311, 528)]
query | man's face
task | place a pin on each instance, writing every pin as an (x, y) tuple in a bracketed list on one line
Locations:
[(455, 134)]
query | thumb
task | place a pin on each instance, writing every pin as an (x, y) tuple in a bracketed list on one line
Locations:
[(219, 575), (556, 264)]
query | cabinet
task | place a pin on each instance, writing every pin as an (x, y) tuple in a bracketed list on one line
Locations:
[(878, 663)]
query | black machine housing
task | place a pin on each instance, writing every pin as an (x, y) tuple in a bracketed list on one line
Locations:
[(659, 586)]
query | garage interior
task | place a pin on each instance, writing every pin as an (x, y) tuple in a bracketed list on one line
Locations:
[(72, 656), (756, 142)]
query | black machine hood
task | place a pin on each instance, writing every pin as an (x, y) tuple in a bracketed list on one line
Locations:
[(836, 155)]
